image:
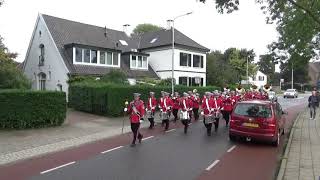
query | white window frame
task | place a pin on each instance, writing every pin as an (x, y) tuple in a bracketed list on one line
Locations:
[(98, 58), (188, 53), (200, 61), (136, 67)]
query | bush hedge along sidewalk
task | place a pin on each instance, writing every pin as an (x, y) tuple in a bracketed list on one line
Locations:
[(108, 99), (21, 109)]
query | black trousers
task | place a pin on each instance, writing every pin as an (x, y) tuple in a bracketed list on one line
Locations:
[(208, 126), (185, 122), (165, 122), (196, 113), (226, 116), (135, 131), (151, 120), (312, 111), (216, 124), (175, 114)]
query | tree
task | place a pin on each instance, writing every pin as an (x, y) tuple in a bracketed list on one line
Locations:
[(143, 28), (267, 65), (115, 76), (298, 23)]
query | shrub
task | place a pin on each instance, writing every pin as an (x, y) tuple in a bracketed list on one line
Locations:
[(115, 76), (108, 99), (31, 109)]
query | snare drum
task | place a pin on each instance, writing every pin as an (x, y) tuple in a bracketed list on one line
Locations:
[(164, 115), (184, 115), (149, 114), (208, 119)]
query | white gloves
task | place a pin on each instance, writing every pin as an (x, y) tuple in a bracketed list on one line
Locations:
[(125, 109), (202, 113)]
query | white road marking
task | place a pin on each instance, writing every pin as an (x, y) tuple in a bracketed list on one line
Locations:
[(212, 165), (111, 149), (147, 138), (49, 170), (232, 148), (170, 130)]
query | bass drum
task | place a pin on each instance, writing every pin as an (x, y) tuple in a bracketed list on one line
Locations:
[(164, 115), (208, 119), (149, 114)]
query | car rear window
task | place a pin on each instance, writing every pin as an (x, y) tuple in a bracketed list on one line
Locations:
[(290, 90), (253, 110)]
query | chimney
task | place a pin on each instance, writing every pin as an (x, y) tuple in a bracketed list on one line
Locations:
[(105, 31), (125, 29), (169, 24)]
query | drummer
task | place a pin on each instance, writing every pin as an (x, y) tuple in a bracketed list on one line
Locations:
[(207, 110)]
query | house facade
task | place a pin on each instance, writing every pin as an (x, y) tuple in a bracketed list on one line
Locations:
[(61, 48), (259, 79)]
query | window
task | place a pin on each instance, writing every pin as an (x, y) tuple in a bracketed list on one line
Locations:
[(42, 81), (93, 57), (78, 55), (261, 78), (102, 57), (197, 61), (134, 61), (109, 58), (253, 110), (254, 78), (139, 62), (196, 81), (185, 59), (115, 59), (86, 55), (41, 57), (123, 42), (59, 87), (183, 81)]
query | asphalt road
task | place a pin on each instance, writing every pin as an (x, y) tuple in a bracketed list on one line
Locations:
[(170, 155)]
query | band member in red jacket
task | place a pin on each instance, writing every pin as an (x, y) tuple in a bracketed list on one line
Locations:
[(217, 105), (136, 112), (165, 108), (185, 107), (151, 109), (227, 108), (207, 110), (195, 99), (175, 105)]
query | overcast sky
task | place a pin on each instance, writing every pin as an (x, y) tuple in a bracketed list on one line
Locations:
[(243, 29)]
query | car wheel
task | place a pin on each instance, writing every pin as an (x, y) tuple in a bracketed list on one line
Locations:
[(232, 137), (277, 141)]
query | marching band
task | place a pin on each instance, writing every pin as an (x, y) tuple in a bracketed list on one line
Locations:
[(214, 106)]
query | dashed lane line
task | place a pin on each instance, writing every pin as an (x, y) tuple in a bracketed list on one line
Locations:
[(64, 165), (212, 165), (111, 149), (170, 130), (147, 138), (232, 148)]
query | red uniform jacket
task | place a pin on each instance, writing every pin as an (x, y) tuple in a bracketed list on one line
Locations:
[(227, 104), (166, 104), (151, 104), (136, 111), (217, 103), (207, 105), (185, 104), (176, 103), (195, 102)]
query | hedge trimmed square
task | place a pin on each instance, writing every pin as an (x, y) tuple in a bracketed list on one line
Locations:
[(21, 109)]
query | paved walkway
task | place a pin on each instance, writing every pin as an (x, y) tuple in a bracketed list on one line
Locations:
[(79, 128), (302, 156)]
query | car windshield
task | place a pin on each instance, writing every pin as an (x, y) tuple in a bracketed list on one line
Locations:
[(253, 110), (290, 90)]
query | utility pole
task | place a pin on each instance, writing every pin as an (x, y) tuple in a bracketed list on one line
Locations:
[(247, 70), (291, 75)]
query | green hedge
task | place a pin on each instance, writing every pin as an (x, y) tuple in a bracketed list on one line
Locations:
[(108, 99), (31, 109)]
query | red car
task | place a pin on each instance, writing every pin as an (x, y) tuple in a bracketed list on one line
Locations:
[(257, 120)]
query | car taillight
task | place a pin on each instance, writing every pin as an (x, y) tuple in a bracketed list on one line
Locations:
[(270, 123)]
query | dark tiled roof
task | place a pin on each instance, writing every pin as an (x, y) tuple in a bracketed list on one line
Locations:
[(164, 38)]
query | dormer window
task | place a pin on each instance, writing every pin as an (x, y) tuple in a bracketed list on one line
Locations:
[(138, 62), (123, 42), (41, 57), (95, 57)]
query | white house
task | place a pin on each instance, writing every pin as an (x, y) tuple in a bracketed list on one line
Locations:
[(259, 79), (61, 48)]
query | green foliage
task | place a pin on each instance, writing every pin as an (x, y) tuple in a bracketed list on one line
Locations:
[(143, 28), (108, 99), (115, 76), (10, 76), (31, 109), (166, 82), (77, 79), (267, 65)]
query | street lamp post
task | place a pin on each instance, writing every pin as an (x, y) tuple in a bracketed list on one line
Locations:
[(291, 75), (247, 71), (172, 68)]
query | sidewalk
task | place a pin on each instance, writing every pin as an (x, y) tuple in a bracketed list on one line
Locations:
[(79, 128), (301, 160)]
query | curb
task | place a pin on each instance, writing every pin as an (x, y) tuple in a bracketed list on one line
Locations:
[(284, 160)]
